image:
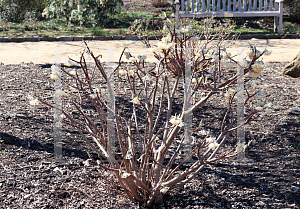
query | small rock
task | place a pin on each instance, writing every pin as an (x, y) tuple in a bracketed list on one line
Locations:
[(293, 68)]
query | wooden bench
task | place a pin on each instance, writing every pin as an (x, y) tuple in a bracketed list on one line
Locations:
[(231, 8)]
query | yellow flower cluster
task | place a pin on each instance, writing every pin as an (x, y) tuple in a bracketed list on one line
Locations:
[(258, 66)]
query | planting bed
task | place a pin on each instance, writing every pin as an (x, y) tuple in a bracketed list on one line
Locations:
[(269, 178)]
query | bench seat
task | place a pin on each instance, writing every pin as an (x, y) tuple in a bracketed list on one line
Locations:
[(231, 8)]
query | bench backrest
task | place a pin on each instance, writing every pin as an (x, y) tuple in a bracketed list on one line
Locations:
[(194, 6)]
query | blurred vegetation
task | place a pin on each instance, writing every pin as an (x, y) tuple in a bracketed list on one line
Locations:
[(293, 7), (49, 18)]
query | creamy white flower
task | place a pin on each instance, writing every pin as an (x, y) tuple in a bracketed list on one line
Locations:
[(175, 120), (164, 189), (213, 145), (268, 105), (53, 76), (250, 53), (131, 72), (73, 72), (122, 72), (151, 50), (194, 80), (69, 63), (55, 71), (34, 102), (268, 110), (203, 132), (125, 175), (161, 45), (87, 162), (142, 57), (259, 108), (136, 100), (132, 59), (210, 140), (166, 39), (184, 30), (144, 45)]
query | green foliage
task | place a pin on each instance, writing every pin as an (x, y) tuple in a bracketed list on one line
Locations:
[(87, 13), (98, 31), (142, 25), (291, 28), (18, 13), (293, 7)]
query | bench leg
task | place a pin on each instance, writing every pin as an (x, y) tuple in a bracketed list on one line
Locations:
[(275, 23), (280, 18), (280, 26)]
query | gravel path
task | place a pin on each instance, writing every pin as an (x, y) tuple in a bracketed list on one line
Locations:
[(284, 50)]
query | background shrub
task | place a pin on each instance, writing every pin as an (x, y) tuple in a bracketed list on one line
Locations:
[(87, 13), (24, 7), (293, 7)]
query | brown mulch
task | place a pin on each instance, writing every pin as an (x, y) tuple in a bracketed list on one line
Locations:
[(270, 178)]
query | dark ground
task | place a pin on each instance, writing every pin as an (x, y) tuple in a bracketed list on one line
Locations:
[(270, 178)]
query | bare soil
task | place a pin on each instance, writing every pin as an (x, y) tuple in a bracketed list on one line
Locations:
[(30, 178)]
